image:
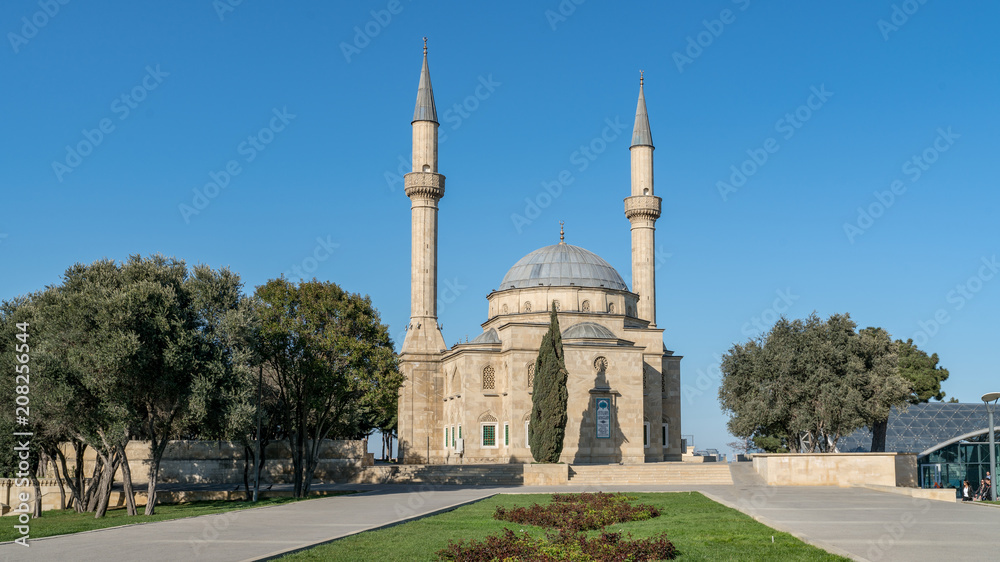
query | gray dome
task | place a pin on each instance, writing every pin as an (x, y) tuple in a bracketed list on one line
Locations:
[(489, 336), (561, 265), (588, 330)]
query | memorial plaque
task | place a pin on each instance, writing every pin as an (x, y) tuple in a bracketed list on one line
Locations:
[(603, 418)]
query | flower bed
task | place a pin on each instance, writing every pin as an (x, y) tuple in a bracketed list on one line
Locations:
[(570, 515)]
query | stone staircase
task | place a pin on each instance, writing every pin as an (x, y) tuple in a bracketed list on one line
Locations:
[(662, 473)]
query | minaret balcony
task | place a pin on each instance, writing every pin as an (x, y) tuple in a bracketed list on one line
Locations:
[(426, 184), (642, 206)]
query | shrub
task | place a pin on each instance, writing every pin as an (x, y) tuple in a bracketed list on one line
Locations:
[(564, 547), (570, 515), (579, 512)]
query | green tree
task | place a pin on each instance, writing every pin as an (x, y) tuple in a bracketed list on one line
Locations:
[(547, 428), (137, 350), (806, 383), (923, 372), (328, 358), (880, 382), (924, 377)]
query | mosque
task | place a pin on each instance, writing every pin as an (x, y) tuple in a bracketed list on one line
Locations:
[(471, 403)]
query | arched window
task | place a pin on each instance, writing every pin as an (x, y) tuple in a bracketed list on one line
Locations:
[(611, 308), (556, 306), (585, 306), (531, 376), (504, 309), (489, 378), (527, 306)]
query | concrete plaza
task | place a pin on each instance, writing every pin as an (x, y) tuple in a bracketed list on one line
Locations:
[(856, 522)]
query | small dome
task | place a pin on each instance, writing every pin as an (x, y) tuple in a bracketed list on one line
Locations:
[(489, 336), (562, 265), (588, 330)]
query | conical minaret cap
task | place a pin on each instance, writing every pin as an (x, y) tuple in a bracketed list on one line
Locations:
[(425, 110), (640, 133)]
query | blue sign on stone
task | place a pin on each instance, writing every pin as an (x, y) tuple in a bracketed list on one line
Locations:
[(603, 418)]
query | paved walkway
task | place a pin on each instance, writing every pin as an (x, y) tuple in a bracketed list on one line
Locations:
[(250, 534), (859, 523)]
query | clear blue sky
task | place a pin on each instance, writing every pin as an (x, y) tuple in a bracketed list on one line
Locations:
[(198, 81)]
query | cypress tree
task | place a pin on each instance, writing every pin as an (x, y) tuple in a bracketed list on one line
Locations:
[(548, 402)]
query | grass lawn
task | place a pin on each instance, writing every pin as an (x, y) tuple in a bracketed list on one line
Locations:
[(698, 527), (65, 521)]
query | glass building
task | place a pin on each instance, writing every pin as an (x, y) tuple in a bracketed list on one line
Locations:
[(951, 442)]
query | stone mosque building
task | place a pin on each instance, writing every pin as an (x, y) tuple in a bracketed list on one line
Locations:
[(471, 403)]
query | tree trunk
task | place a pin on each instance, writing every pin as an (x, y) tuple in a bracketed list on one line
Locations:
[(295, 440), (127, 483), (79, 448), (75, 497), (247, 455), (311, 461), (154, 473), (58, 477), (261, 460), (90, 495), (878, 436), (37, 486), (104, 491)]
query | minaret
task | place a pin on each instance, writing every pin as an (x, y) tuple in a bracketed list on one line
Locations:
[(424, 186), (642, 209), (420, 358)]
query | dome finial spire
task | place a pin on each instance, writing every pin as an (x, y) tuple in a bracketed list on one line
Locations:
[(640, 72), (425, 109), (562, 233), (640, 133)]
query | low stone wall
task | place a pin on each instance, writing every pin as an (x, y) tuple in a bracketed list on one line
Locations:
[(546, 474), (221, 462), (837, 469), (10, 495)]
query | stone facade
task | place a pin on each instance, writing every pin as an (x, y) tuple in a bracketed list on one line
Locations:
[(470, 403)]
